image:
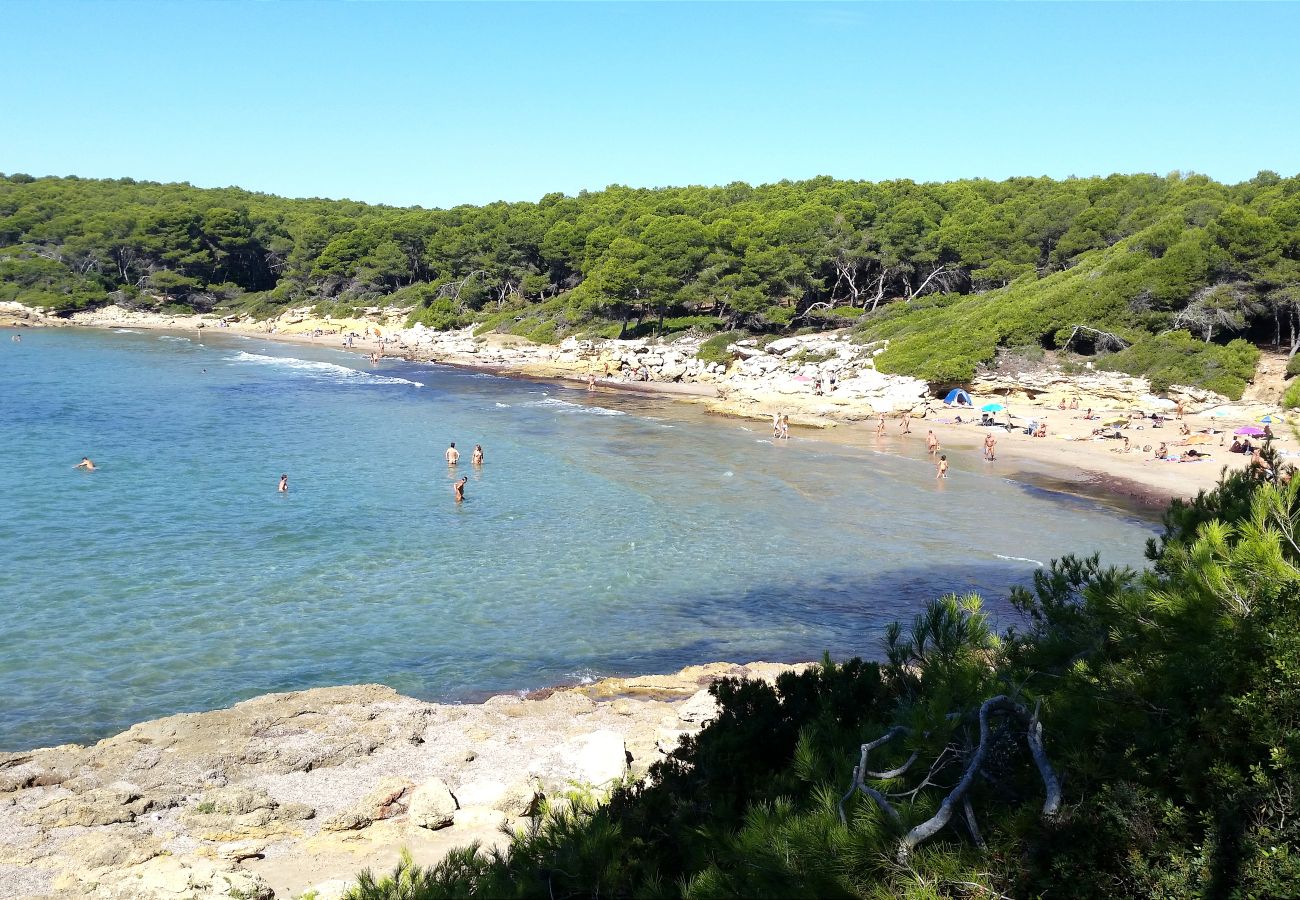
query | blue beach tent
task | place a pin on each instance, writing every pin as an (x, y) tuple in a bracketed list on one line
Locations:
[(958, 397)]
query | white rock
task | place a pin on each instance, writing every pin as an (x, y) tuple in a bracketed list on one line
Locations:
[(479, 817), (481, 793), (700, 708), (602, 757), (781, 345), (432, 805), (334, 889)]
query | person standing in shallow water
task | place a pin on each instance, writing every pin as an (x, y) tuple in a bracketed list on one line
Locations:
[(931, 442), (990, 447), (453, 455), (477, 458), (942, 471), (284, 485), (460, 488)]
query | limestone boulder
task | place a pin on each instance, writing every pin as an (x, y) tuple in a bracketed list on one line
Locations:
[(382, 802), (432, 805), (100, 806), (595, 760), (702, 707), (479, 817), (510, 799)]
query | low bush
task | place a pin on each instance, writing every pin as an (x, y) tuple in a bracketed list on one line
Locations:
[(1178, 357), (715, 349), (1293, 366), (1291, 397)]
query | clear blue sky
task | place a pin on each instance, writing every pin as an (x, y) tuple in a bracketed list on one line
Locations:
[(441, 103)]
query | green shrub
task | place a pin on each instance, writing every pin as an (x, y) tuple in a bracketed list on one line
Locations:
[(543, 333), (1291, 398), (714, 350), (1293, 366), (1178, 357), (440, 314), (673, 324)]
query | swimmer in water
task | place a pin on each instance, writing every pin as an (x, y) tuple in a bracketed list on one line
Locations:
[(284, 484), (460, 488), (477, 458), (17, 339), (453, 455), (85, 464)]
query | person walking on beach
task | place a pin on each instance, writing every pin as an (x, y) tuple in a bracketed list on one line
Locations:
[(942, 470), (880, 426), (477, 458), (459, 487), (85, 464), (591, 381), (1178, 409), (284, 485), (907, 422), (452, 454), (990, 447), (931, 442)]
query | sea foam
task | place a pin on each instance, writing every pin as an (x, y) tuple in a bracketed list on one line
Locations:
[(320, 370)]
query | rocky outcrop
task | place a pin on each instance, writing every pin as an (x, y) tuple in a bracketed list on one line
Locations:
[(1092, 388), (288, 792)]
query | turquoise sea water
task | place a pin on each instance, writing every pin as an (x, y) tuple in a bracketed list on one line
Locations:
[(606, 534)]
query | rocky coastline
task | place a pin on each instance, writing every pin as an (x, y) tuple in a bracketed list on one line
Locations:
[(288, 794)]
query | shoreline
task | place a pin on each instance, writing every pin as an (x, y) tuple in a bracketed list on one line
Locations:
[(1076, 467)]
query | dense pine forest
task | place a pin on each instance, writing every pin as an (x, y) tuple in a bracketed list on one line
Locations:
[(1174, 277)]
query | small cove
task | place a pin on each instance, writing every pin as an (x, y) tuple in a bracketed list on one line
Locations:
[(606, 535)]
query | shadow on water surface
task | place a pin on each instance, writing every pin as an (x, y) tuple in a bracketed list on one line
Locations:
[(843, 616)]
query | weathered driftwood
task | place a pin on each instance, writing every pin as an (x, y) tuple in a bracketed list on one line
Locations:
[(958, 795), (1103, 340)]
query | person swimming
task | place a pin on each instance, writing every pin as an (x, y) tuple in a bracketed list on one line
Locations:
[(284, 484), (460, 488), (477, 458), (85, 464), (452, 454)]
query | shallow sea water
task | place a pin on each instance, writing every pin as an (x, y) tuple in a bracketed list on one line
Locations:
[(606, 534)]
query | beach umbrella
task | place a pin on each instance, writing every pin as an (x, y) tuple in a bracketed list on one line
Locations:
[(992, 407), (1271, 419), (1250, 430)]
